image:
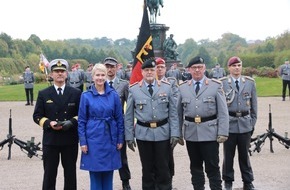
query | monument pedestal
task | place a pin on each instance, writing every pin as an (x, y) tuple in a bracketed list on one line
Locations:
[(158, 32)]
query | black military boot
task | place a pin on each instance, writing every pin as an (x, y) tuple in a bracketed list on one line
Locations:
[(126, 185), (248, 186), (228, 185)]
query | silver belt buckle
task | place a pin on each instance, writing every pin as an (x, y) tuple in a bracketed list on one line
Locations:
[(238, 114), (153, 125), (197, 119)]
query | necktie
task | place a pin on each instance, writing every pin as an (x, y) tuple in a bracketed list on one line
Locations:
[(197, 87), (150, 89), (237, 85), (59, 91), (111, 84)]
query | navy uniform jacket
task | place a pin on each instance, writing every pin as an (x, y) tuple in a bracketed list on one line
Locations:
[(143, 107), (244, 100), (210, 101), (50, 107)]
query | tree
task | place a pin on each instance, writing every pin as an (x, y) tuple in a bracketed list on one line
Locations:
[(4, 49)]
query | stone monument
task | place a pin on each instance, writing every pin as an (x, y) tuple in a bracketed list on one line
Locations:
[(163, 47)]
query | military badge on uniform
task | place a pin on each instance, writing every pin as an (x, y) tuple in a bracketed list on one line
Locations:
[(49, 101)]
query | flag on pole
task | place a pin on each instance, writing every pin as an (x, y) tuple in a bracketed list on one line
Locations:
[(43, 63), (144, 48)]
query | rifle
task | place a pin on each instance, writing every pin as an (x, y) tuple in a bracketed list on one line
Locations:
[(9, 139), (260, 139), (29, 147)]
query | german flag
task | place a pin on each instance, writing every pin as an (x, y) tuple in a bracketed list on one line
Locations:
[(144, 48)]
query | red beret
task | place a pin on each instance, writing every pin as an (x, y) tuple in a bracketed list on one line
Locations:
[(234, 60), (159, 61)]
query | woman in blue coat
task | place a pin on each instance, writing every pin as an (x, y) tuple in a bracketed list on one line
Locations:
[(101, 130)]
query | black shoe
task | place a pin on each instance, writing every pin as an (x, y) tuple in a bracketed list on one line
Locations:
[(228, 185), (248, 186), (27, 104), (32, 104), (126, 185), (283, 99)]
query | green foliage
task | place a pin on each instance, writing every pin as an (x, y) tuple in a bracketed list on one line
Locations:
[(267, 87), (17, 92), (256, 54)]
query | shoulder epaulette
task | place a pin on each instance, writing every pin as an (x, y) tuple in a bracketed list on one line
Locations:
[(223, 78), (133, 84), (171, 78), (123, 80), (166, 82), (250, 78), (184, 82), (217, 81)]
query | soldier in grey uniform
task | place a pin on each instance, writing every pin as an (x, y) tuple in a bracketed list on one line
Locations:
[(160, 73), (152, 103), (205, 123), (284, 72), (79, 69), (28, 78), (88, 76), (122, 87), (75, 78), (174, 72), (217, 72), (242, 105)]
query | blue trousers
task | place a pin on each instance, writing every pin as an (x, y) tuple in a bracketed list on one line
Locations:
[(101, 180)]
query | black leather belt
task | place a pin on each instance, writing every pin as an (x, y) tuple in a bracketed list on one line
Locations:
[(198, 119), (74, 82), (90, 82), (152, 124), (29, 82), (239, 114)]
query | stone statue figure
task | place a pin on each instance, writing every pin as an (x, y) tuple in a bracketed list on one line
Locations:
[(169, 47), (153, 6)]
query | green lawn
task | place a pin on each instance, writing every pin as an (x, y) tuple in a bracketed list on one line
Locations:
[(265, 87)]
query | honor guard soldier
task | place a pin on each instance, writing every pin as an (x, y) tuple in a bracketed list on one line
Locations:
[(242, 105), (88, 76), (122, 87), (205, 122), (75, 78), (284, 73), (56, 112), (152, 103), (160, 73), (217, 72), (28, 78)]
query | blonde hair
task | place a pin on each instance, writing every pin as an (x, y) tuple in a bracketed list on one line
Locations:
[(99, 67)]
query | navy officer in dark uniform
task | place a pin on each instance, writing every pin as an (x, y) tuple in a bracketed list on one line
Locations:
[(56, 113)]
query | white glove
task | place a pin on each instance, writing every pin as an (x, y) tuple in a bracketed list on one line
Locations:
[(221, 139)]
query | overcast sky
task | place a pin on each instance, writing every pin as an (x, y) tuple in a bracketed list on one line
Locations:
[(88, 19)]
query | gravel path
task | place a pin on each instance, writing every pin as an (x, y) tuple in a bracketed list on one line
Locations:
[(271, 170)]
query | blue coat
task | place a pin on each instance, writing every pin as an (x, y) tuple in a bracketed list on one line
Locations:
[(101, 127)]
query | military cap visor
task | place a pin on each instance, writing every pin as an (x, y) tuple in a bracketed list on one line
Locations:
[(110, 61), (195, 60), (58, 64)]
